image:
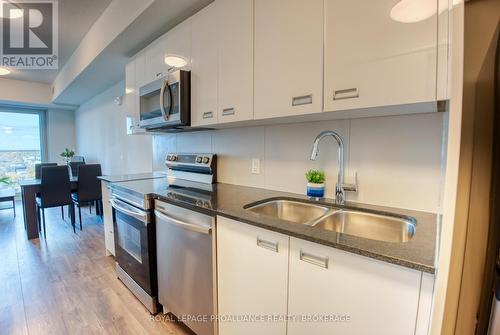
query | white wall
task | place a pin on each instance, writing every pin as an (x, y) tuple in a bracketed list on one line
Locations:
[(60, 133), (22, 93), (101, 135), (398, 158)]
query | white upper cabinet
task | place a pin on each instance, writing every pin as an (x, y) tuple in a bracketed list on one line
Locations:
[(176, 42), (373, 60), (131, 91), (235, 60), (155, 65), (377, 297), (204, 66), (252, 269), (140, 69), (288, 58)]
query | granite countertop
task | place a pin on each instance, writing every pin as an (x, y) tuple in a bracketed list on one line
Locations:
[(228, 200), (133, 176)]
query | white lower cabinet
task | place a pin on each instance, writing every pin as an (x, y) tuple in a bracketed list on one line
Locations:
[(378, 297), (252, 268), (323, 290), (109, 234)]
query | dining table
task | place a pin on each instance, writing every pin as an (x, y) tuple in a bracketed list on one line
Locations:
[(29, 189)]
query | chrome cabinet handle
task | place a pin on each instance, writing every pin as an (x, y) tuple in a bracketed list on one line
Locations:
[(182, 224), (159, 74), (208, 115), (124, 208), (313, 259), (348, 93), (228, 111), (302, 100), (273, 246)]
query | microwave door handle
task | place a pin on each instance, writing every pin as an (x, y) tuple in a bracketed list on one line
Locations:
[(163, 109), (182, 224), (116, 205)]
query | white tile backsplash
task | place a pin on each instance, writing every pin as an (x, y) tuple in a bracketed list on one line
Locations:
[(398, 158), (195, 142), (235, 149), (288, 151)]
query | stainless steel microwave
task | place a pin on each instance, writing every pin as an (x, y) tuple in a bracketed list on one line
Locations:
[(166, 102)]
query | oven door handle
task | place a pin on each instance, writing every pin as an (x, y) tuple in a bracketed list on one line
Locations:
[(123, 207), (182, 224)]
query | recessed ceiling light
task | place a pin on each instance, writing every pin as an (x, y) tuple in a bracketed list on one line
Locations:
[(175, 61), (412, 11), (4, 71)]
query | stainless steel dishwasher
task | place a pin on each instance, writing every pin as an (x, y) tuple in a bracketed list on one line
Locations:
[(185, 244)]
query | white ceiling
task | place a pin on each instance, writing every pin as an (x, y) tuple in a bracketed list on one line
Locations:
[(75, 19)]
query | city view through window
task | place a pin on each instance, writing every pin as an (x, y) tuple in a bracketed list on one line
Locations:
[(20, 147)]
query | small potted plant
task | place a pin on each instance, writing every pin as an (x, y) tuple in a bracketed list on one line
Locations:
[(67, 154), (315, 183)]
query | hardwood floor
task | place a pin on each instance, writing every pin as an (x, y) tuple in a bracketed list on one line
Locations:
[(66, 284)]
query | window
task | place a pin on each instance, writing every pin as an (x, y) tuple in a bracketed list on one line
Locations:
[(21, 145)]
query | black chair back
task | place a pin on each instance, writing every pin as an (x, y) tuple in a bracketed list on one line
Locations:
[(74, 167), (55, 186), (89, 187), (38, 168)]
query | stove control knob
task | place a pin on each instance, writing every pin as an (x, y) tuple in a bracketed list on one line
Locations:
[(169, 157), (198, 159), (174, 158), (206, 160)]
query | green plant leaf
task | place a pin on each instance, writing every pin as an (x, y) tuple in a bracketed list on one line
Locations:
[(315, 176)]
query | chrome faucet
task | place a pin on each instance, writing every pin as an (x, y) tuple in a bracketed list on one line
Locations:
[(341, 187)]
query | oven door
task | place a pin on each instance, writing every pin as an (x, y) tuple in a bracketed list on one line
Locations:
[(134, 243)]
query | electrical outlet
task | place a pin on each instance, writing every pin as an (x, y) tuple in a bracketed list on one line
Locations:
[(256, 165)]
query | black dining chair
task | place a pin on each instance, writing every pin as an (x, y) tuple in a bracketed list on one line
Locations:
[(38, 168), (89, 188), (55, 191), (38, 173), (74, 168)]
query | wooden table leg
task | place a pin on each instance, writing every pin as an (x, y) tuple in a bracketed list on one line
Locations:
[(29, 208)]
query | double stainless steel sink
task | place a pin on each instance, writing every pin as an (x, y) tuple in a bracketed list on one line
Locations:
[(375, 226)]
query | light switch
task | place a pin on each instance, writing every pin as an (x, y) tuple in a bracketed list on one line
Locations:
[(256, 165)]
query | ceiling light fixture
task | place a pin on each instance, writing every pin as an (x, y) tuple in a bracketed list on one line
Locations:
[(4, 71), (175, 61), (413, 11)]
